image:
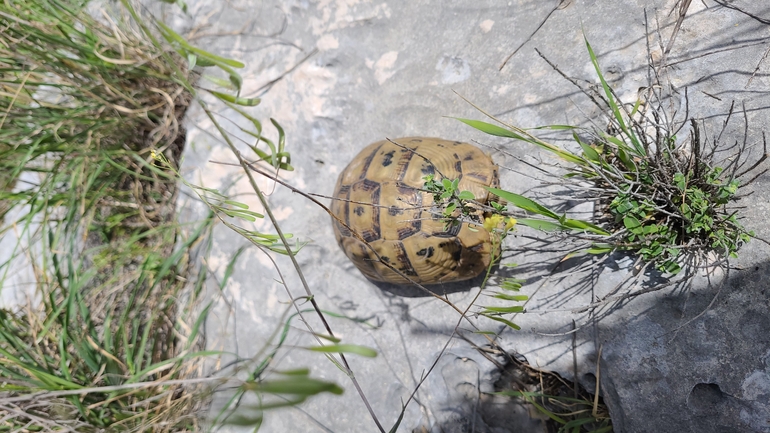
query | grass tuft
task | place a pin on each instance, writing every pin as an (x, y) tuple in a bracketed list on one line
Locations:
[(111, 344), (668, 199)]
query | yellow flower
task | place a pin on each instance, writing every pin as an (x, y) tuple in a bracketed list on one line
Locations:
[(500, 222), (492, 222), (153, 154)]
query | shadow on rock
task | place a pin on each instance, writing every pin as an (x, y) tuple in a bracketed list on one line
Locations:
[(412, 291), (475, 397)]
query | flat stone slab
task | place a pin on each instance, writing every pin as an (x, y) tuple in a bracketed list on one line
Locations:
[(340, 74)]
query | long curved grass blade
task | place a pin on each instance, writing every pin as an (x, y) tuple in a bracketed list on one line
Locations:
[(523, 135), (613, 104), (345, 348), (523, 202)]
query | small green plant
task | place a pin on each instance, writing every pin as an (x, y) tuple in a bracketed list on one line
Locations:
[(461, 206), (572, 415), (111, 342), (568, 406), (446, 193), (510, 293)]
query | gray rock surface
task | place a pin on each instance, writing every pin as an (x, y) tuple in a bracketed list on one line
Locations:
[(697, 368), (460, 388), (392, 69), (18, 283)]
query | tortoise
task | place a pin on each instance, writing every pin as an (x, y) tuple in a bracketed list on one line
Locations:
[(380, 196)]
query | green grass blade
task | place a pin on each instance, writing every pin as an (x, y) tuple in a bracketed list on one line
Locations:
[(611, 100), (491, 129), (584, 226), (246, 102), (507, 297), (345, 348), (523, 202), (542, 225), (304, 386), (503, 321), (504, 310), (175, 37)]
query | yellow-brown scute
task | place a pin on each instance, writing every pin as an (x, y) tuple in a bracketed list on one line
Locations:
[(379, 197)]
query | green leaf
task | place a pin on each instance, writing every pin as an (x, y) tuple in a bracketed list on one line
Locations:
[(450, 208), (611, 100), (507, 297), (345, 348), (237, 204), (622, 205), (295, 385), (523, 202), (511, 284), (554, 127), (254, 422), (502, 132), (590, 153), (671, 267), (650, 229), (627, 161), (579, 422), (242, 214), (636, 107), (246, 102), (600, 249), (615, 140), (466, 195), (216, 80), (281, 137), (504, 321), (295, 372), (174, 37), (514, 309), (197, 325), (205, 63), (328, 337), (632, 224), (490, 129), (235, 78), (542, 225), (680, 181), (583, 225)]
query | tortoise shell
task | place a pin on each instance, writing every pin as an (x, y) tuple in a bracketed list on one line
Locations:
[(380, 196)]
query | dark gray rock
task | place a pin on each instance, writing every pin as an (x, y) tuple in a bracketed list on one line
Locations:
[(696, 367), (698, 359)]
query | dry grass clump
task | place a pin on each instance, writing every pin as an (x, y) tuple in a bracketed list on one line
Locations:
[(110, 345)]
